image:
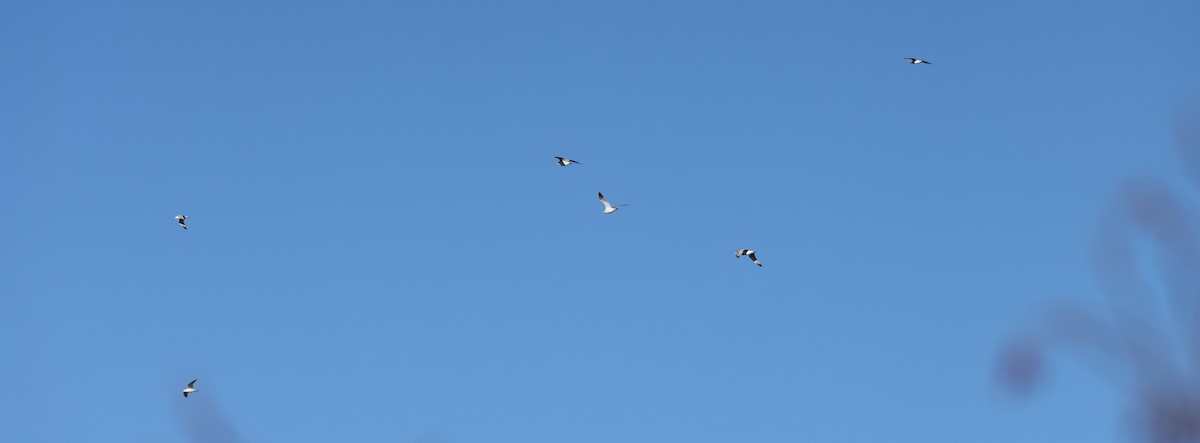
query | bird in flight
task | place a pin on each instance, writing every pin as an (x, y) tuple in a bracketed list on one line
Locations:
[(190, 389), (181, 219), (916, 61), (748, 253), (565, 161), (608, 208)]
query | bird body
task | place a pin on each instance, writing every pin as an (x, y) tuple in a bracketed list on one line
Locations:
[(917, 61), (748, 253), (565, 161), (190, 388)]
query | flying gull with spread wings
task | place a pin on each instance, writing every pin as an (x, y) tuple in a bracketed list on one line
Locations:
[(190, 389), (608, 208), (565, 161), (181, 219), (748, 253)]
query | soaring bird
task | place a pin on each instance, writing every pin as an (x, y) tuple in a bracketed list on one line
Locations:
[(181, 219), (748, 253), (565, 161), (916, 61), (190, 389), (608, 208)]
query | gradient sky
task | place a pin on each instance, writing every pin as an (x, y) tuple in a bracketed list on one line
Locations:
[(382, 250)]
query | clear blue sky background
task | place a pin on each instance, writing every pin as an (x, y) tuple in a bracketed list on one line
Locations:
[(383, 251)]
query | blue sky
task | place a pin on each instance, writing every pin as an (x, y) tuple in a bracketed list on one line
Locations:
[(382, 250)]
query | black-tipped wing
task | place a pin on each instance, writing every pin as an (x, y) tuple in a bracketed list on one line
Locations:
[(185, 395), (602, 200), (191, 383)]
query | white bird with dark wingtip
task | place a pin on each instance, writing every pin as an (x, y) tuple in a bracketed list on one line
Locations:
[(190, 389), (748, 253), (181, 219), (608, 208), (916, 61), (565, 161)]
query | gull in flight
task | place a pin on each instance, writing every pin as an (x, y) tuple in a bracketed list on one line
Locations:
[(748, 253), (916, 61), (181, 219), (608, 208), (190, 389), (565, 161)]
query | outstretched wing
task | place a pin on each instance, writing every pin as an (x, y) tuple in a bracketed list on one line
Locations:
[(560, 158), (573, 161), (602, 200), (752, 257), (185, 394), (191, 383)]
